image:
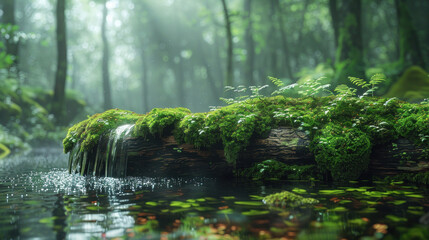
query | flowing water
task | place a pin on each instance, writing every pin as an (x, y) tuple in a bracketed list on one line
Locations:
[(39, 199)]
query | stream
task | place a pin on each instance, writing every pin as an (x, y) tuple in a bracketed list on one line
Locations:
[(39, 199)]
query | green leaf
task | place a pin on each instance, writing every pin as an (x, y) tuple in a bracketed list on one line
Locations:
[(255, 212), (249, 203)]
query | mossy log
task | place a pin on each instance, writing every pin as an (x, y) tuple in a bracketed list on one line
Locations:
[(344, 137), (165, 157)]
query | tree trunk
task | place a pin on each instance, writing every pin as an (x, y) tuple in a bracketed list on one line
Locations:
[(286, 52), (229, 66), (349, 54), (105, 62), (334, 17), (250, 44), (273, 40), (409, 45), (61, 73)]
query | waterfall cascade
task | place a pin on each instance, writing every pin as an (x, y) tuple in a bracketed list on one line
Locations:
[(109, 157)]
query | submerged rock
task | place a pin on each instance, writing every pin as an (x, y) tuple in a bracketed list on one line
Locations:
[(288, 199)]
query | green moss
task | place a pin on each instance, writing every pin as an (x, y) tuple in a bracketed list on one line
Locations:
[(342, 151), (272, 169), (288, 199), (88, 132), (159, 121), (412, 85)]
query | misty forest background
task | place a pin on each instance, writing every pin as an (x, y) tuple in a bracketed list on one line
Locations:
[(61, 60)]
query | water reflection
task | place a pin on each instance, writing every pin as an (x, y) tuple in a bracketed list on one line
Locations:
[(42, 201)]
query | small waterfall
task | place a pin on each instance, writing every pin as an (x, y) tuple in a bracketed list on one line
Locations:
[(116, 154), (109, 158)]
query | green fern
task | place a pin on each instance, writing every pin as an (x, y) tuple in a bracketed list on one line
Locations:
[(371, 86), (276, 81), (344, 90), (359, 82)]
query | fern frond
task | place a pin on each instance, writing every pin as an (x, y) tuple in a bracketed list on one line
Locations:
[(377, 78), (359, 82), (276, 81), (344, 90)]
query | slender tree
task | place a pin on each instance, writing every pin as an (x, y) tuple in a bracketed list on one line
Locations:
[(349, 52), (285, 46), (272, 39), (334, 19), (12, 44), (250, 44), (61, 73), (410, 52), (229, 65), (105, 61)]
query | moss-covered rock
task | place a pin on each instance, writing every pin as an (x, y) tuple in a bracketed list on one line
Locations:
[(342, 151), (412, 85), (288, 199)]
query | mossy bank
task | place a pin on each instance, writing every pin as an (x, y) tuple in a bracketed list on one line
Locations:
[(342, 130)]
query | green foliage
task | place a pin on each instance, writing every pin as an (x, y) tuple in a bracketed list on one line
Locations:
[(308, 88), (241, 93), (288, 199)]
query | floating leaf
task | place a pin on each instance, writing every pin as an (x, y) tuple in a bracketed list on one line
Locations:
[(396, 218), (256, 197), (249, 203), (416, 212), (345, 201), (415, 196), (226, 211), (398, 202), (153, 204), (339, 209), (180, 204), (255, 212), (229, 197), (332, 192), (358, 221), (299, 190), (361, 189)]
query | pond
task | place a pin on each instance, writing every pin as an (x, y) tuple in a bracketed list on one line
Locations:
[(39, 199)]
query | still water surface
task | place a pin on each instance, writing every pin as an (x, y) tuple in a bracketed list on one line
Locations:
[(40, 200)]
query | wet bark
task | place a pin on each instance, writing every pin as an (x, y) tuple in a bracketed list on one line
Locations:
[(58, 101), (165, 157)]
